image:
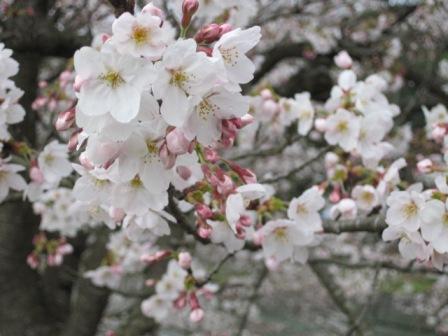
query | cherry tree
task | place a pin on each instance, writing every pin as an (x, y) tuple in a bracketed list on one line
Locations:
[(201, 167)]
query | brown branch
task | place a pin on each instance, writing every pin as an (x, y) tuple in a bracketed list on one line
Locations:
[(122, 6)]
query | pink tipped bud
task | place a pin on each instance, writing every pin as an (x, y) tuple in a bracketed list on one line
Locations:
[(153, 10), (208, 34), (225, 28), (193, 301), (320, 124), (36, 175), (42, 84), (176, 142), (266, 94), (425, 166), (197, 315), (78, 83), (246, 175), (203, 211), (117, 214), (335, 196), (150, 282), (243, 121), (32, 260), (345, 209), (438, 133), (272, 264), (343, 60), (105, 38), (331, 159), (211, 155), (73, 141), (207, 50), (181, 301), (85, 162), (204, 231), (154, 258), (65, 120), (168, 159), (189, 8), (258, 237), (245, 221), (185, 260), (184, 172)]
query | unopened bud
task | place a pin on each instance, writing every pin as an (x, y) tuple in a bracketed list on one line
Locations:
[(208, 34), (65, 120), (197, 315), (185, 260), (425, 166), (189, 8)]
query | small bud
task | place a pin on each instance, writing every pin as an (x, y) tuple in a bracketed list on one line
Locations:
[(203, 211), (266, 94), (425, 166), (320, 124), (185, 260), (184, 172), (204, 231), (176, 142), (211, 155), (208, 34), (168, 159), (207, 50), (153, 10), (225, 28), (189, 8), (197, 315), (343, 60), (36, 175), (65, 120)]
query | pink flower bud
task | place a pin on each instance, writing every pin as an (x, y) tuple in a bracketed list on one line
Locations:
[(78, 83), (438, 133), (65, 120), (181, 301), (168, 159), (156, 257), (197, 315), (189, 8), (193, 301), (207, 50), (343, 60), (73, 141), (208, 34), (150, 283), (266, 94), (105, 38), (270, 107), (185, 260), (65, 76), (39, 103), (245, 221), (65, 249), (243, 121), (258, 237), (153, 10), (272, 264), (85, 162), (32, 260), (204, 231), (203, 211), (345, 209), (335, 196), (36, 175), (320, 124), (211, 155), (176, 142), (42, 84), (225, 28), (331, 159), (183, 172), (425, 166), (117, 214), (246, 175)]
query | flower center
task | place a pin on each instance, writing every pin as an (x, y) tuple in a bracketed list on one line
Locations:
[(49, 158), (367, 197), (113, 79), (140, 35), (280, 233), (229, 55), (152, 147), (410, 210), (301, 209), (205, 108), (136, 182), (178, 78), (342, 126)]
